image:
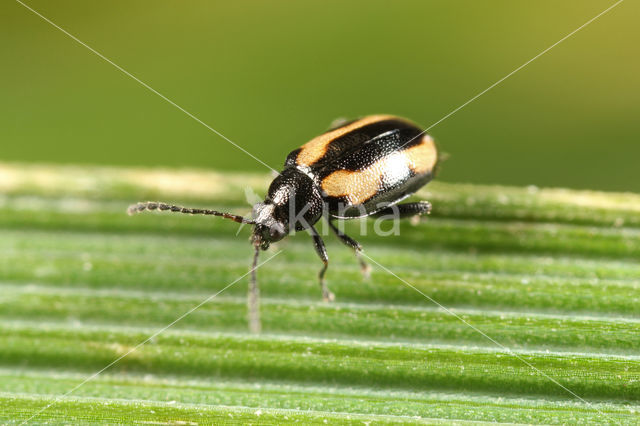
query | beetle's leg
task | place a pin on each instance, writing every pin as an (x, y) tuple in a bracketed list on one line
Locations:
[(401, 211), (357, 248), (327, 296), (253, 301), (338, 122)]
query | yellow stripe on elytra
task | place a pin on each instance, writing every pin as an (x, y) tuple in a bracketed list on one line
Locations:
[(356, 186), (316, 148), (422, 157)]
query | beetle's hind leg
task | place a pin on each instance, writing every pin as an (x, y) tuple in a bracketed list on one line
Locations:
[(318, 244), (357, 248), (401, 211)]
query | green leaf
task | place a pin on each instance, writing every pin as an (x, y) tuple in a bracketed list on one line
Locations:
[(540, 289)]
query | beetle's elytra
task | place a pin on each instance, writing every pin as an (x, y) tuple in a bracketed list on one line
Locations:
[(360, 168)]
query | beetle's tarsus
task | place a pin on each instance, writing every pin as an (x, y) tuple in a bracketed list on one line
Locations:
[(365, 268), (327, 295)]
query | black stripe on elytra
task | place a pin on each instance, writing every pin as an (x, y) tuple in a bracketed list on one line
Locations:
[(351, 140), (364, 155), (391, 133), (354, 139)]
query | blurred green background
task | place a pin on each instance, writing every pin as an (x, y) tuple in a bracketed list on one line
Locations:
[(272, 74)]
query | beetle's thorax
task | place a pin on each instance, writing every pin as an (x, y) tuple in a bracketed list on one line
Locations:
[(293, 203)]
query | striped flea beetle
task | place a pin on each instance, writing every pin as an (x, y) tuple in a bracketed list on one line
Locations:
[(360, 168)]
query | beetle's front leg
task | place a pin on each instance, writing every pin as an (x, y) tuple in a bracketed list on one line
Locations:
[(318, 244)]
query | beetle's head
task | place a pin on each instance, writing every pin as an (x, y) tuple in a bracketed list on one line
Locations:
[(270, 224)]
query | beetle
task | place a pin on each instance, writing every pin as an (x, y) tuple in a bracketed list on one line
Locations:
[(359, 168)]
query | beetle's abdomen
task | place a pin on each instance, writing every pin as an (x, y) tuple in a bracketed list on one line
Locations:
[(383, 172)]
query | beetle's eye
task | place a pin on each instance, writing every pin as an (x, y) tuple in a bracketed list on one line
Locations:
[(276, 233)]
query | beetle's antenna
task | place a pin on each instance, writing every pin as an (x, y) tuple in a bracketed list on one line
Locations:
[(152, 205), (254, 296)]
